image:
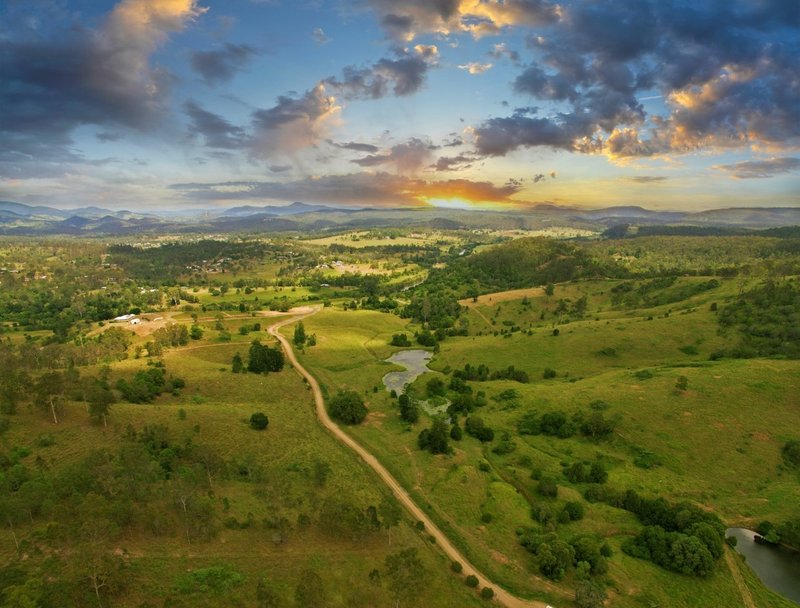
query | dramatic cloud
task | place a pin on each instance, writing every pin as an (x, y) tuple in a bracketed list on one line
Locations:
[(220, 66), (475, 67), (499, 136), (51, 84), (292, 124), (404, 19), (402, 76), (358, 189), (215, 130), (406, 158), (752, 169), (728, 74)]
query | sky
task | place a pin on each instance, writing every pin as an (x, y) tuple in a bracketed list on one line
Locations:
[(499, 104)]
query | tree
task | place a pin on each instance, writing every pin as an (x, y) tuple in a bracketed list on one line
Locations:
[(264, 359), (549, 289), (435, 439), (407, 575), (400, 340), (299, 334), (435, 387), (100, 398), (196, 332), (408, 409), (682, 383), (342, 518), (574, 509), (347, 407), (589, 594), (390, 513), (49, 390), (237, 366), (259, 421), (689, 555)]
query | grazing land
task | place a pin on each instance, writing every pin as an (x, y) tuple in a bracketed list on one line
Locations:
[(584, 400)]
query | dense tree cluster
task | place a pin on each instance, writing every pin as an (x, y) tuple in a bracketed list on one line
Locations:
[(767, 319), (148, 384), (581, 472), (435, 439), (482, 373), (679, 537), (658, 291), (263, 359), (786, 533), (476, 427), (556, 557), (595, 425)]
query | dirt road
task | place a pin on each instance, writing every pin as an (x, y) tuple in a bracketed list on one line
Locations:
[(500, 594)]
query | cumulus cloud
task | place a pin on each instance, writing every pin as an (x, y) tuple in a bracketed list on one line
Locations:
[(51, 84), (358, 189), (499, 136), (293, 123), (760, 169), (402, 76), (727, 72), (475, 67), (220, 66), (408, 157)]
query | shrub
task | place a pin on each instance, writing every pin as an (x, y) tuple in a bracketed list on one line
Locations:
[(547, 487), (456, 567), (259, 421), (791, 452), (487, 593), (574, 510), (471, 581)]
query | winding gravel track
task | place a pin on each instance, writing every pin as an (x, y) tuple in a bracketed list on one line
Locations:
[(500, 594)]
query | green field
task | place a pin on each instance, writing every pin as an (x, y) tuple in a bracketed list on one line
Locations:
[(216, 406), (717, 444), (178, 502)]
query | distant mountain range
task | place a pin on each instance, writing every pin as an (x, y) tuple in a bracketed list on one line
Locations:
[(20, 219)]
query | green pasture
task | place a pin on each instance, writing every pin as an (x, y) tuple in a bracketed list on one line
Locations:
[(217, 406), (718, 442)]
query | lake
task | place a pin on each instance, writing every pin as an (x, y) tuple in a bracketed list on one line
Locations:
[(778, 568), (416, 364)]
